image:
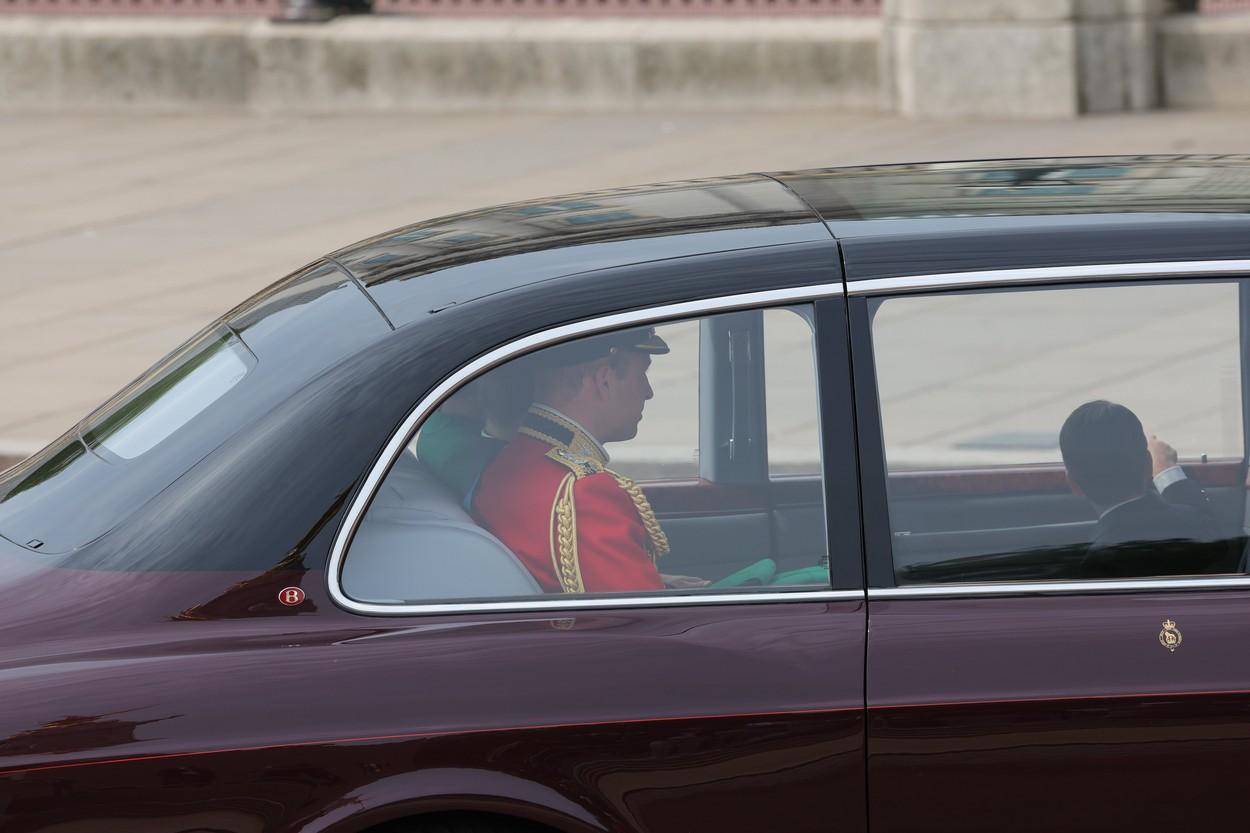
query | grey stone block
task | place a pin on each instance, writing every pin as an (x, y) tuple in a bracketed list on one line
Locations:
[(566, 65), (498, 75), (403, 65), (160, 70), (964, 11), (1022, 57), (378, 64), (1020, 10), (290, 66), (30, 67), (1119, 9), (1116, 66), (986, 69), (1206, 61), (94, 64), (796, 72)]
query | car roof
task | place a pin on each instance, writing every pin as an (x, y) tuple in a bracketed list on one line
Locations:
[(942, 217), (891, 220), (470, 256), (858, 199)]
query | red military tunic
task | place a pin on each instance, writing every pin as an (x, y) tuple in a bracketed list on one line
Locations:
[(577, 526)]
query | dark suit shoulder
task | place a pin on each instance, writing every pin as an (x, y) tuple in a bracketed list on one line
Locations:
[(1151, 536), (1186, 492)]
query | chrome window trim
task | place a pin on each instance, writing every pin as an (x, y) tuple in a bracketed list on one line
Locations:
[(400, 439), (1048, 274), (559, 603), (1057, 588), (875, 286)]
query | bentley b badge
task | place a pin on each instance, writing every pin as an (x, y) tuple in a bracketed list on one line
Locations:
[(1170, 637)]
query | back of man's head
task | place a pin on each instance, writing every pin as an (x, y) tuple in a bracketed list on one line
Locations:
[(1104, 450)]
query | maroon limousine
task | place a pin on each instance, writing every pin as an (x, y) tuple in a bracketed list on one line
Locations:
[(901, 498)]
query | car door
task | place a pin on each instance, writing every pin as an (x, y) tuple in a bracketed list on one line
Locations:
[(1009, 687), (736, 707)]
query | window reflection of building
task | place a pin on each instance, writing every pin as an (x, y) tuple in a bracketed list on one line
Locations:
[(1059, 186), (521, 228)]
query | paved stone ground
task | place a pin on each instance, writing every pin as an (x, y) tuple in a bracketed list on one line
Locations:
[(122, 235)]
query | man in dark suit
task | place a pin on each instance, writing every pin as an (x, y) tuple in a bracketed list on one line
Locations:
[(1152, 519)]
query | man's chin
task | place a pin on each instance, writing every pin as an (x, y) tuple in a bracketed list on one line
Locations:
[(627, 433)]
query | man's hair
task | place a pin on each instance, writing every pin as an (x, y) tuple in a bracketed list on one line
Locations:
[(565, 381), (1104, 450)]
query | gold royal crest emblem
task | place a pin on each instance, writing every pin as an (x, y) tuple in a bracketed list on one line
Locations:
[(1170, 637)]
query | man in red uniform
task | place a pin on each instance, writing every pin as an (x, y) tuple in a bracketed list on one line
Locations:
[(578, 526)]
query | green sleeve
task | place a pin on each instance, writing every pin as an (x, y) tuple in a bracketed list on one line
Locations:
[(447, 446)]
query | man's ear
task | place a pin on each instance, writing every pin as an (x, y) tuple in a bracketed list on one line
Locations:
[(601, 379)]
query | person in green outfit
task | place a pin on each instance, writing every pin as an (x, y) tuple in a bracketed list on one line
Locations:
[(464, 434)]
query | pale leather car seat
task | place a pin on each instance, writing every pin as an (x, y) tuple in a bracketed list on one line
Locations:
[(417, 543)]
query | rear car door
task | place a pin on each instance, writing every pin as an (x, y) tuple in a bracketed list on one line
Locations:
[(1015, 681), (736, 706)]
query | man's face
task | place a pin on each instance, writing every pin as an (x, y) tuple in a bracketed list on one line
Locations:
[(625, 389)]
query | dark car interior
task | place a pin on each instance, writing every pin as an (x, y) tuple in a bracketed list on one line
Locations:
[(1016, 524)]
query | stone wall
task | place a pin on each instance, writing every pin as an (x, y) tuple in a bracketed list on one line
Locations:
[(1029, 58), (1206, 60), (84, 64), (387, 64), (933, 58)]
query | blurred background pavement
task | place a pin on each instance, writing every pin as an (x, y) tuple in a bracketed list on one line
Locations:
[(164, 159), (120, 236)]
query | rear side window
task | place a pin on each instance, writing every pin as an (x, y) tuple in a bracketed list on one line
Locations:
[(170, 395), (634, 462), (110, 465), (1083, 432), (223, 384)]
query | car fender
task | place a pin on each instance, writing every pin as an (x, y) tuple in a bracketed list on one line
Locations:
[(453, 789)]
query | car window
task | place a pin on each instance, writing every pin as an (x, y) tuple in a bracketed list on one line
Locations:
[(630, 462), (170, 396), (1023, 431), (790, 393), (667, 444)]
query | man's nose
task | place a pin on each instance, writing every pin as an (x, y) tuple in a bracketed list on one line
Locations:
[(650, 393)]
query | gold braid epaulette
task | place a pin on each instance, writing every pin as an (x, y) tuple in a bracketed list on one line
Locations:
[(658, 545), (564, 532), (564, 555)]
